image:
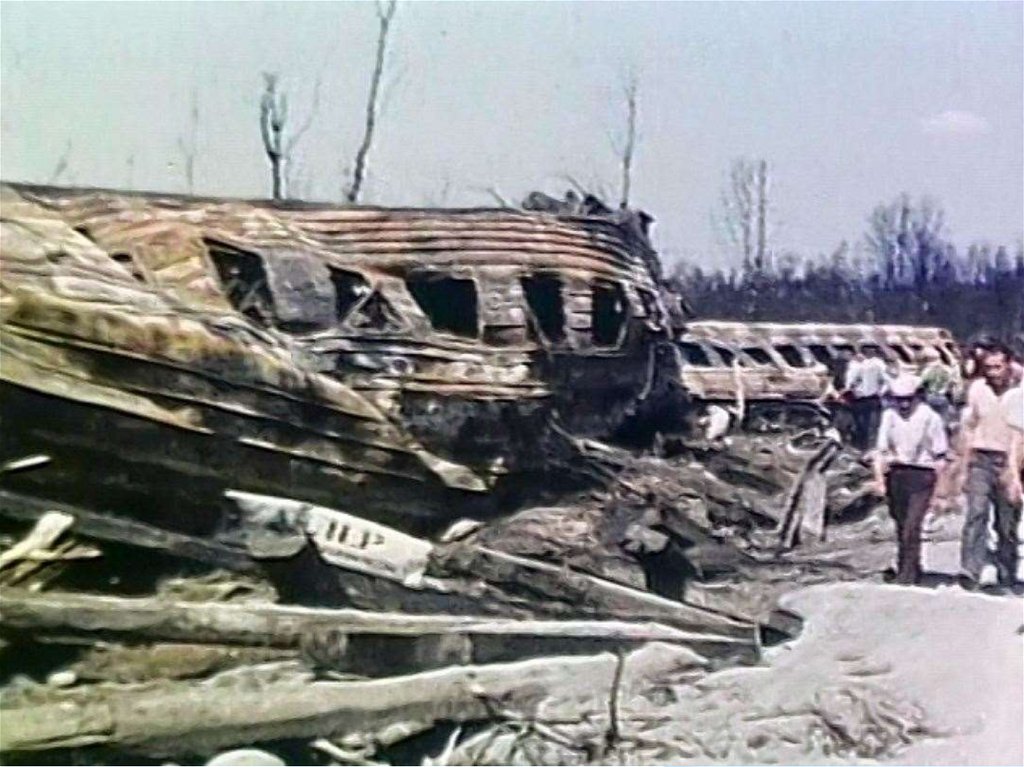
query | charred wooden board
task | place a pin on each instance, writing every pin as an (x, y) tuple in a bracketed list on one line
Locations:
[(369, 643), (274, 703)]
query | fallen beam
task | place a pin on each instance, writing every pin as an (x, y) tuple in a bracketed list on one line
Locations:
[(463, 576), (118, 529), (353, 639), (190, 719)]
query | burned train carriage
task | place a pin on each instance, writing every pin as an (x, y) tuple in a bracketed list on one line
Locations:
[(479, 334)]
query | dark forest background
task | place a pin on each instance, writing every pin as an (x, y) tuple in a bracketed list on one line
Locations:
[(905, 271)]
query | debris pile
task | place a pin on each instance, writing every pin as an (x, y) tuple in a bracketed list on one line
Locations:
[(349, 485), (521, 630)]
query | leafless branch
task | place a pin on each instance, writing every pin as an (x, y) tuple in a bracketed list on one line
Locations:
[(745, 211), (497, 197), (187, 148), (62, 164), (630, 94), (385, 13), (614, 733), (273, 117)]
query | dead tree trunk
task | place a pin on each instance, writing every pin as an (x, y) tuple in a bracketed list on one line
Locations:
[(761, 260), (385, 13), (630, 144), (273, 116), (188, 148)]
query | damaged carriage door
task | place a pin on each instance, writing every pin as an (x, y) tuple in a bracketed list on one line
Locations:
[(450, 303), (243, 280), (609, 313), (547, 307)]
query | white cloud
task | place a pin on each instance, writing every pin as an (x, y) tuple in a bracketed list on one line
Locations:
[(955, 123)]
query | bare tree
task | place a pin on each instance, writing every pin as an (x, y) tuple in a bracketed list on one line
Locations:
[(628, 146), (905, 238), (745, 212), (61, 166), (278, 146), (273, 118), (187, 147), (385, 13)]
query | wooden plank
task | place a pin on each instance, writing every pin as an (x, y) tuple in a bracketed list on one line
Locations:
[(106, 526), (291, 627), (189, 719)]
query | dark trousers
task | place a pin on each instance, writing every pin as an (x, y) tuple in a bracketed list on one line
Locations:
[(867, 414), (909, 493), (985, 491)]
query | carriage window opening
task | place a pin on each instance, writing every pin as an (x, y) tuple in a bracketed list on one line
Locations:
[(945, 356), (902, 353), (820, 353), (244, 281), (791, 355), (449, 302), (349, 288), (544, 297), (759, 355), (694, 355), (727, 355), (609, 310), (126, 260)]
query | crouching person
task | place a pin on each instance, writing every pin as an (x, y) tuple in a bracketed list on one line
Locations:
[(911, 450)]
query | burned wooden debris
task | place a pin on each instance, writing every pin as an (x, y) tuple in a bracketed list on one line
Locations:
[(304, 399)]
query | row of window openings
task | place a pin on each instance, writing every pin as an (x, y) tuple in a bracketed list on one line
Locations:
[(450, 303), (697, 356)]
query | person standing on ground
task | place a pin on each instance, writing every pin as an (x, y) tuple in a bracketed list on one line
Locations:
[(937, 380), (865, 381), (988, 441), (910, 452), (1014, 406)]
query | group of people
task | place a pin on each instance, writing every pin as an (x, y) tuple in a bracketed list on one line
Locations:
[(912, 451), (867, 380)]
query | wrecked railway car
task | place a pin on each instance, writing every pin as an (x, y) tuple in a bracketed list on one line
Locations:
[(793, 361), (328, 349)]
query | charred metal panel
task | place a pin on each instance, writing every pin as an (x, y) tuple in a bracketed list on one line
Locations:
[(304, 294)]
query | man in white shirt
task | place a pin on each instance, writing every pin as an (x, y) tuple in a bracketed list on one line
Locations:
[(866, 381), (989, 441), (911, 449), (1013, 401)]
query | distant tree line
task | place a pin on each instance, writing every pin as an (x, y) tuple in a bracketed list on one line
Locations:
[(905, 271)]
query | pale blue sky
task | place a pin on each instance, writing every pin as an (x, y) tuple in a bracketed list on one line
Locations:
[(851, 103)]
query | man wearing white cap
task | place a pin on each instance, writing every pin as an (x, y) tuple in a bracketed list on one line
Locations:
[(911, 449)]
